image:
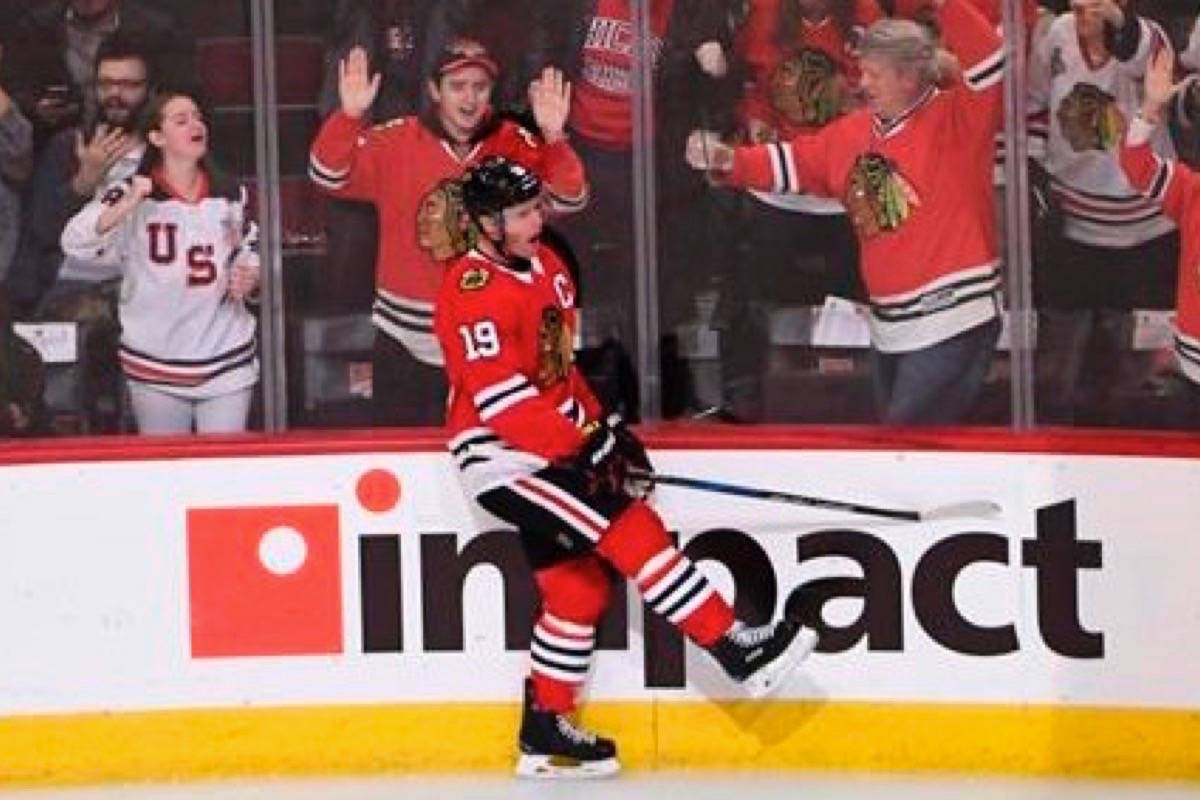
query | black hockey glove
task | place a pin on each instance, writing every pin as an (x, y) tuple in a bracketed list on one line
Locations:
[(600, 461), (637, 462)]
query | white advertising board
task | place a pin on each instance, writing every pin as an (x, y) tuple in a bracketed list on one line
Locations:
[(320, 579)]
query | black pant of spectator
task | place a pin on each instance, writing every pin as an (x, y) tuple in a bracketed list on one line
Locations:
[(1085, 294), (406, 392)]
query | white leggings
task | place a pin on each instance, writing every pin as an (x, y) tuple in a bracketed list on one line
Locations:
[(157, 412)]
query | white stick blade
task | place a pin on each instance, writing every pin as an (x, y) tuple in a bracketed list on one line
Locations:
[(978, 509)]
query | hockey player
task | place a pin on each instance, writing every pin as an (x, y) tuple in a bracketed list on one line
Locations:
[(189, 263), (396, 165), (913, 169), (1175, 188), (535, 450)]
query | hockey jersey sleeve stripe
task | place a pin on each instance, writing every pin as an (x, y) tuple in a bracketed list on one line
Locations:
[(403, 319), (783, 167), (1162, 178), (572, 409), (504, 402), (568, 205), (326, 177), (987, 72), (471, 436), (562, 505), (502, 396)]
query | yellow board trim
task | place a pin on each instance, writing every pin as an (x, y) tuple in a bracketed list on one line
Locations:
[(192, 744)]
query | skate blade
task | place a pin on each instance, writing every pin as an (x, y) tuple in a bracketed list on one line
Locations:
[(771, 677), (544, 767)]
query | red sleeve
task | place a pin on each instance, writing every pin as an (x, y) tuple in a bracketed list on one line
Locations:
[(344, 160), (799, 165), (979, 97), (480, 334), (563, 172), (557, 164), (1163, 180)]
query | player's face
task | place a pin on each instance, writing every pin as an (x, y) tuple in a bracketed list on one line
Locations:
[(887, 91), (121, 90), (182, 132), (463, 99), (523, 227)]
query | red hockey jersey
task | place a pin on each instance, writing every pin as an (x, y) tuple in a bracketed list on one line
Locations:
[(517, 400), (393, 166), (1176, 188), (919, 189)]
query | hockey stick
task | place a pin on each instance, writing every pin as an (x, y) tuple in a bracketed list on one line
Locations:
[(970, 508)]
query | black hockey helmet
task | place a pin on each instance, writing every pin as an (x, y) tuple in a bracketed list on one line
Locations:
[(497, 183)]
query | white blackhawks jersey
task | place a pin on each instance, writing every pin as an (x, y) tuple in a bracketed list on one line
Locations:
[(1080, 110), (179, 331)]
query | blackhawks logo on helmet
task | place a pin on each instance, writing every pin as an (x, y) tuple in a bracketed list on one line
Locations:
[(1090, 119), (555, 347), (806, 88), (878, 198)]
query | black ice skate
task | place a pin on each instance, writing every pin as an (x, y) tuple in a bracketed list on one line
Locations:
[(554, 747), (762, 658)]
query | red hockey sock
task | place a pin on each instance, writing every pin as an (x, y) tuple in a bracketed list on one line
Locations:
[(574, 596), (637, 544)]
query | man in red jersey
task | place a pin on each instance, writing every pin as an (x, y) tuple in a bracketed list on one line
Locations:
[(396, 164), (914, 170), (534, 449)]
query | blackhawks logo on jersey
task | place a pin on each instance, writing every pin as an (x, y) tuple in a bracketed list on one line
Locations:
[(806, 88), (474, 278), (555, 347), (878, 198), (1090, 119)]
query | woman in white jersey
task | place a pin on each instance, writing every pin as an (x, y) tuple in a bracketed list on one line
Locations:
[(190, 265)]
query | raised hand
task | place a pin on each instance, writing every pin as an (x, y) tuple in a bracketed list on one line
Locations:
[(1159, 85), (357, 87), (95, 157), (550, 101)]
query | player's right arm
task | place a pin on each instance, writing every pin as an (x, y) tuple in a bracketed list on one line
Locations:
[(344, 158), (480, 337)]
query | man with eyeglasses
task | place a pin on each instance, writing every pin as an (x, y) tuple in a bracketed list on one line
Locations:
[(54, 45), (78, 163)]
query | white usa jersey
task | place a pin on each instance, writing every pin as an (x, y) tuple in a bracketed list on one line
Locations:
[(179, 331), (1080, 110)]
